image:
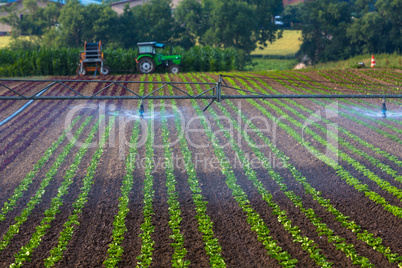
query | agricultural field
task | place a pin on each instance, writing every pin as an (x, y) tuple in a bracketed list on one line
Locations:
[(247, 183), (288, 45), (4, 41)]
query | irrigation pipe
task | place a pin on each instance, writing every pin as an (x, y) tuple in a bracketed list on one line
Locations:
[(22, 108)]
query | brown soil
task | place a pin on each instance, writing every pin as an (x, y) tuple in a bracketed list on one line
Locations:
[(45, 122)]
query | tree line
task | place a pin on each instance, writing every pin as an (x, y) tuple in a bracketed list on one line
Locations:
[(242, 24), (334, 29), (331, 29)]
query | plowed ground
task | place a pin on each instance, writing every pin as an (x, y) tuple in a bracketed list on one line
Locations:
[(25, 139)]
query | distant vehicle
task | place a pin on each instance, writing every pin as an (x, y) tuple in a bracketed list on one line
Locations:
[(148, 59), (278, 21)]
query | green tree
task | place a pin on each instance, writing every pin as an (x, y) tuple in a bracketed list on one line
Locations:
[(190, 22), (34, 21), (291, 14), (154, 21), (232, 24), (390, 11), (265, 10), (72, 21), (324, 29)]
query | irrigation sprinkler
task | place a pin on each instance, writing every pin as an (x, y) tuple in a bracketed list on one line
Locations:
[(384, 108), (214, 92)]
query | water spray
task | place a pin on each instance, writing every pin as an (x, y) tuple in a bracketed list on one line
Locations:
[(384, 108)]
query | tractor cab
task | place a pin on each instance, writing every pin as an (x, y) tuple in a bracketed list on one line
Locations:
[(148, 58)]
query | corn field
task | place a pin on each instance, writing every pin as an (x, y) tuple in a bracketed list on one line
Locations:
[(64, 61)]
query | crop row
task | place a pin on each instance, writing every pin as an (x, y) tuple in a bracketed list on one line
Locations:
[(322, 228), (26, 251), (179, 254), (365, 85), (28, 179), (352, 118), (205, 224), (383, 76), (115, 250), (37, 198), (371, 159), (379, 151), (344, 174), (27, 124), (359, 167), (375, 243), (306, 243), (253, 218), (145, 258), (6, 104), (30, 115), (398, 130), (56, 253)]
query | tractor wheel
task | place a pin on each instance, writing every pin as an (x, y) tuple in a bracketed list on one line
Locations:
[(174, 69), (83, 73), (146, 65), (106, 70)]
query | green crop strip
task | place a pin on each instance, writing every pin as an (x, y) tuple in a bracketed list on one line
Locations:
[(386, 134), (398, 130), (364, 85), (212, 247), (374, 242), (306, 243), (354, 119), (145, 258), (345, 175), (322, 228), (253, 218), (377, 150), (363, 82), (37, 198), (385, 168), (383, 77), (178, 258), (115, 250), (359, 167), (56, 254), (26, 251), (356, 138), (27, 181)]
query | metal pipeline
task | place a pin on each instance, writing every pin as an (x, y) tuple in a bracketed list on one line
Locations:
[(22, 108)]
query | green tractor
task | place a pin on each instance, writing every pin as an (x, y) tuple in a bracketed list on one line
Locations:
[(148, 59)]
